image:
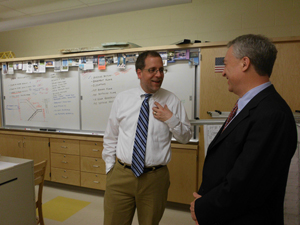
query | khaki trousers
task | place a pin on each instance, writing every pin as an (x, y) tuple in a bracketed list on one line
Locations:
[(125, 193)]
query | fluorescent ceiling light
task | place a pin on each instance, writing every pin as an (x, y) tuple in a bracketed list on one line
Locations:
[(87, 12)]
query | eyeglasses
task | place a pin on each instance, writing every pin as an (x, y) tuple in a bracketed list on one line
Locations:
[(154, 70)]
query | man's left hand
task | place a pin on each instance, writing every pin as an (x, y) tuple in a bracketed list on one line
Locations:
[(161, 113), (192, 208)]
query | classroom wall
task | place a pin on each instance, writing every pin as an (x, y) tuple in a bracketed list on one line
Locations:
[(205, 20), (214, 94)]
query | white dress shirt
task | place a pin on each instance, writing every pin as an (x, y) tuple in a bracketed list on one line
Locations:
[(121, 128)]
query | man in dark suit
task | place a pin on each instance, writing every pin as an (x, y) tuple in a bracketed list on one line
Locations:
[(247, 164)]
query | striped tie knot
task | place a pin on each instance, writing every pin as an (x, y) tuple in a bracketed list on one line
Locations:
[(147, 96)]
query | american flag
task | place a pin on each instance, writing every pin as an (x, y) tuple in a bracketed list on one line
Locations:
[(219, 64)]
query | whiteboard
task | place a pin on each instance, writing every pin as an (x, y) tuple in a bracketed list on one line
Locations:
[(42, 100), (79, 100), (99, 89)]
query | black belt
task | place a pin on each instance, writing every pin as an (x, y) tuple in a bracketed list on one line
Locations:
[(146, 169)]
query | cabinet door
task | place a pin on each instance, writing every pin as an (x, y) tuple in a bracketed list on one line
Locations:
[(37, 149), (64, 161), (91, 148), (12, 145), (64, 146), (183, 175), (3, 148), (94, 165), (93, 180), (65, 176)]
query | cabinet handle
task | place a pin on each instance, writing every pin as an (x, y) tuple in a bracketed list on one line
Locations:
[(64, 161), (96, 166), (95, 150), (19, 144), (63, 146), (66, 177), (96, 182)]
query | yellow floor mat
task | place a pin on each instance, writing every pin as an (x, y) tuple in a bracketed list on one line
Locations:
[(61, 208)]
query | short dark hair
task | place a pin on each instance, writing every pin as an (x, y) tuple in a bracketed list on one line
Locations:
[(140, 62), (259, 49)]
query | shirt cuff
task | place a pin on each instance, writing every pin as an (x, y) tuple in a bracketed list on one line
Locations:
[(172, 122)]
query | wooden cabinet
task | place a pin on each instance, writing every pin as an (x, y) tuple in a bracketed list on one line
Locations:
[(37, 148), (65, 176), (28, 147), (77, 160), (12, 146), (64, 146), (65, 161), (183, 173), (78, 163), (92, 165)]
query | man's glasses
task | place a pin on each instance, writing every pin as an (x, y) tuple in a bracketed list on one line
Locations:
[(154, 70)]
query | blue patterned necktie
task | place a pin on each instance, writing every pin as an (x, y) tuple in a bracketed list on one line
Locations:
[(140, 141)]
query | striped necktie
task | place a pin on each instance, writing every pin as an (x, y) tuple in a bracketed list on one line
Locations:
[(231, 115), (140, 141)]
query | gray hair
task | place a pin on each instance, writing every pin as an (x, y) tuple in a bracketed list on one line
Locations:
[(259, 49)]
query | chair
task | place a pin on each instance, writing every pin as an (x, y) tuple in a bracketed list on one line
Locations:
[(39, 175)]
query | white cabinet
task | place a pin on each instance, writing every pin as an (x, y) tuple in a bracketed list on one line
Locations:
[(17, 191)]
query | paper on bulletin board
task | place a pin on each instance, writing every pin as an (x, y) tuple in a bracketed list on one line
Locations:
[(210, 131), (101, 62)]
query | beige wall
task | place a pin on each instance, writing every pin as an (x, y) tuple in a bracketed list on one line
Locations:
[(205, 20)]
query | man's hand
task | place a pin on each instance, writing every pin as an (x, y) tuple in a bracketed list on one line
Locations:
[(161, 113), (192, 208)]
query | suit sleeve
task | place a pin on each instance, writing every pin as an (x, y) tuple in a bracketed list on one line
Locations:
[(265, 147)]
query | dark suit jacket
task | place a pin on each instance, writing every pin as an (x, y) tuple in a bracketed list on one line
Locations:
[(246, 167)]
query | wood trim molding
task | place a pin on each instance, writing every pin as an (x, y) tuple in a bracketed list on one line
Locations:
[(141, 49)]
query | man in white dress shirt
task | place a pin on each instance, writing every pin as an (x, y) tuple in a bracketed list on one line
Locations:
[(167, 118)]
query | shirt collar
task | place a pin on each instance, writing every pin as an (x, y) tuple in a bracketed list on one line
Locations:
[(141, 92), (243, 101)]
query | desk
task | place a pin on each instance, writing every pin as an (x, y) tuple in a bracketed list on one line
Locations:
[(17, 194)]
